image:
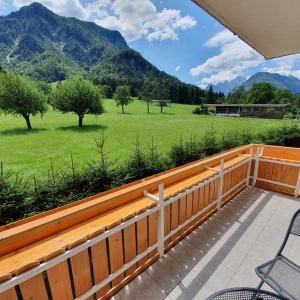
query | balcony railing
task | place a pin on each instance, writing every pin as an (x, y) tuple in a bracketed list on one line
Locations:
[(92, 248)]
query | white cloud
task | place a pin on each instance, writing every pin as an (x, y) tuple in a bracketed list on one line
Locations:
[(285, 66), (133, 18), (136, 19), (177, 68), (69, 8), (234, 59)]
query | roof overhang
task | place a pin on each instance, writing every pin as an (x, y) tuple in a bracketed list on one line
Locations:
[(271, 27)]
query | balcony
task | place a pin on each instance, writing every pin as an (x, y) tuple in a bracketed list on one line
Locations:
[(181, 234), (222, 252)]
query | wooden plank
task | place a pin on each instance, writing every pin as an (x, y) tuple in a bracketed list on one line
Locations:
[(81, 271), (276, 173), (34, 288), (284, 178), (129, 234), (182, 212), (206, 195), (195, 201), (100, 265), (116, 257), (174, 217), (153, 231), (167, 223), (189, 205), (211, 192), (59, 281), (142, 239), (9, 295), (201, 198)]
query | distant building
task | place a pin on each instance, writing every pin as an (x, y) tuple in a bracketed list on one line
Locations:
[(271, 111)]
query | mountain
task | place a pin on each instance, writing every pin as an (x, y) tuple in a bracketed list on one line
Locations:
[(36, 42), (280, 81), (227, 86)]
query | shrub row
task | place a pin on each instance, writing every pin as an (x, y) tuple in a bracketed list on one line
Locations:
[(21, 198)]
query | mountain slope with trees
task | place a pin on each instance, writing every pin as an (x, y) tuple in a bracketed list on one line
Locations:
[(36, 42)]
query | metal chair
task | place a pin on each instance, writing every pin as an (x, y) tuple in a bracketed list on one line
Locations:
[(245, 294), (280, 273)]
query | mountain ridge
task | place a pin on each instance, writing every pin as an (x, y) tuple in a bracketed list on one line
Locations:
[(36, 42), (277, 80)]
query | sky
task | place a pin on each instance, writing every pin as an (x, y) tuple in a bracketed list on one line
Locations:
[(174, 35)]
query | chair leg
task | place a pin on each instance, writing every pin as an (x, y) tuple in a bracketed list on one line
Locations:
[(260, 284)]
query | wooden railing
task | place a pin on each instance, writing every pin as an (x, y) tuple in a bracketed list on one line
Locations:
[(92, 248)]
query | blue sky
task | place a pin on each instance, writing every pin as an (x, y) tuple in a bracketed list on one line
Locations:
[(175, 35)]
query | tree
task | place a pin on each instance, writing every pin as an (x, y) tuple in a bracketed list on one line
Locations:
[(21, 96), (261, 93), (238, 95), (211, 96), (107, 91), (122, 96), (146, 93), (161, 93), (79, 96)]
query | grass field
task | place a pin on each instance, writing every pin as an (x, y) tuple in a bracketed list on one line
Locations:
[(56, 136)]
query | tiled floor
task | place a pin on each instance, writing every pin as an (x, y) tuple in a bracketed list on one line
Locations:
[(223, 252)]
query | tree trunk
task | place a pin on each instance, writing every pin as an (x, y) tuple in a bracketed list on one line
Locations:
[(123, 111), (148, 106), (27, 119), (80, 120), (161, 109)]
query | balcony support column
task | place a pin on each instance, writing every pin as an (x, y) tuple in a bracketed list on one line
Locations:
[(297, 189), (161, 222), (220, 186)]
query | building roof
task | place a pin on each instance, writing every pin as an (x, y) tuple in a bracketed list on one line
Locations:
[(271, 27), (247, 105)]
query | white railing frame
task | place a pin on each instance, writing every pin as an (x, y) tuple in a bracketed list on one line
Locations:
[(161, 204)]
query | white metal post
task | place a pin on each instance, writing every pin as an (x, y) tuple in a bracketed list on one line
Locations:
[(258, 152), (220, 188), (249, 166), (297, 189), (161, 222)]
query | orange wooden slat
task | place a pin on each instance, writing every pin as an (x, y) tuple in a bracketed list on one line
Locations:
[(142, 239), (129, 241), (34, 288), (174, 217), (9, 295), (182, 211), (100, 265), (201, 198), (206, 195), (195, 201), (116, 257), (81, 271), (211, 192), (189, 205), (153, 231), (59, 281)]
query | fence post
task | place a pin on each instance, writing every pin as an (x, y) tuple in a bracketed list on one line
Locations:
[(297, 189), (258, 152), (161, 222), (220, 189), (249, 166)]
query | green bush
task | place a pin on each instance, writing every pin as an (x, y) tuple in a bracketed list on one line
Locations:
[(13, 196), (18, 200)]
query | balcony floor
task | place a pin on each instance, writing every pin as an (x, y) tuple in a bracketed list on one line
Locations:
[(223, 252)]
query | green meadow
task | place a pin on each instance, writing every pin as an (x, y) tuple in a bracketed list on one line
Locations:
[(56, 136)]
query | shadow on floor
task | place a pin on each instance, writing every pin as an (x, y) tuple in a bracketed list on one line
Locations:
[(21, 131), (85, 128)]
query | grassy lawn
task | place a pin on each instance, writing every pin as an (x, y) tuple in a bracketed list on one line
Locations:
[(56, 136)]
